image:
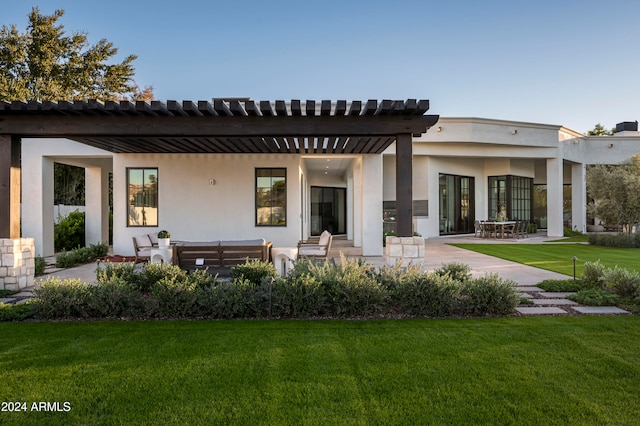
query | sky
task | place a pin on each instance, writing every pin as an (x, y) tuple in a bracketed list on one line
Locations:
[(563, 62)]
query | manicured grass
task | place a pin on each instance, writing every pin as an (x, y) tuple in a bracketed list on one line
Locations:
[(576, 239), (557, 257), (571, 370)]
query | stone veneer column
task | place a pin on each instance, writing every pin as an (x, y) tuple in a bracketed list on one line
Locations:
[(406, 250), (17, 263)]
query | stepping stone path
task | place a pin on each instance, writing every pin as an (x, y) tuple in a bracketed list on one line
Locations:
[(550, 303)]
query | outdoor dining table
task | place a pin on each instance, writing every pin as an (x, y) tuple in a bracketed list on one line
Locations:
[(499, 225)]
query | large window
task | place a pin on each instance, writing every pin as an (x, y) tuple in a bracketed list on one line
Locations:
[(142, 195), (511, 195), (271, 197)]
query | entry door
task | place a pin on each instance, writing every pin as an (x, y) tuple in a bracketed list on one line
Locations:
[(328, 210), (456, 204)]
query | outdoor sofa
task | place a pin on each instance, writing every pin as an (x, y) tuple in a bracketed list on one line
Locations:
[(218, 257)]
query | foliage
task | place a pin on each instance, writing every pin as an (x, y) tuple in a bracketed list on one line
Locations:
[(615, 194), (69, 232), (599, 130), (532, 228), (352, 288), (164, 234), (615, 240), (255, 271), (456, 270), (18, 312), (561, 285), (568, 232), (45, 64), (595, 297), (68, 185), (81, 255), (40, 266), (616, 280)]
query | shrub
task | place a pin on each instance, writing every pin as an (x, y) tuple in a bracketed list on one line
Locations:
[(68, 233), (615, 240), (595, 297), (255, 271), (532, 228), (456, 270), (561, 285), (81, 255), (16, 312), (488, 295), (568, 232), (428, 295), (593, 273), (56, 298), (40, 266), (297, 296), (621, 282)]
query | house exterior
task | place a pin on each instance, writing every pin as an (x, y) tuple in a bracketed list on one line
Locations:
[(459, 171)]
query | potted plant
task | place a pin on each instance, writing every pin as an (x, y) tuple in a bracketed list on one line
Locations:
[(164, 238)]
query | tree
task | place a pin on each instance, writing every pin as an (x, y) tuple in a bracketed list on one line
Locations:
[(599, 130), (616, 191), (45, 64)]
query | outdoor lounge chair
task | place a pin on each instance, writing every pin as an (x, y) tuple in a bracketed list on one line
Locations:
[(142, 246), (316, 248)]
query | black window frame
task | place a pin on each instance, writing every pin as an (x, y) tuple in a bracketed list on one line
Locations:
[(157, 199), (256, 194)]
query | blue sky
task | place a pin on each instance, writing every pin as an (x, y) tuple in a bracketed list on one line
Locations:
[(573, 63)]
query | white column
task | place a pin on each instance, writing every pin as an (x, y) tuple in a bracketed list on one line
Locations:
[(96, 206), (554, 197), (357, 202), (350, 207), (372, 205), (578, 197)]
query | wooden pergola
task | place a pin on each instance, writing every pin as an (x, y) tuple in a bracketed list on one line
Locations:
[(222, 126)]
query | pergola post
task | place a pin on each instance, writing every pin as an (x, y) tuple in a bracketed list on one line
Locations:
[(404, 184), (9, 186)]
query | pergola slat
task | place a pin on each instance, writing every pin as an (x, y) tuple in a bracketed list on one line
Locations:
[(221, 108), (251, 108), (325, 107), (370, 107), (206, 108), (281, 109), (145, 109), (296, 109), (267, 110), (174, 108), (355, 107), (341, 108), (310, 108), (236, 108)]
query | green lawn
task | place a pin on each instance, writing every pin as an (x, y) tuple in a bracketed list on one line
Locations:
[(571, 370), (557, 257)]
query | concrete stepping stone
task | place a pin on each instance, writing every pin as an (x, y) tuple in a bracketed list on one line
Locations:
[(557, 295), (542, 310), (526, 296), (553, 302), (529, 289), (7, 300), (602, 310), (23, 294)]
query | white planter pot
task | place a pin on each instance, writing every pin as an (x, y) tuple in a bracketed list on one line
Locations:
[(164, 242)]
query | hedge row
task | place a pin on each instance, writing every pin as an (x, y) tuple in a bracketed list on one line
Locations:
[(352, 289), (615, 240)]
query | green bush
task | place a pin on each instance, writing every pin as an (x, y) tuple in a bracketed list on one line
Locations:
[(622, 282), (81, 255), (615, 240), (352, 288), (488, 295), (568, 232), (595, 297), (593, 274), (456, 270), (40, 266), (532, 228), (16, 312), (68, 233), (255, 271)]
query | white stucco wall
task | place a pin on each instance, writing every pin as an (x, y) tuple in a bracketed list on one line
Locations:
[(193, 209)]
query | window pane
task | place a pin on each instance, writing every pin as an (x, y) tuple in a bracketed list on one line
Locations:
[(271, 191), (142, 197)]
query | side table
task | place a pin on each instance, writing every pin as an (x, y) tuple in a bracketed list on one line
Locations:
[(283, 259), (161, 255)]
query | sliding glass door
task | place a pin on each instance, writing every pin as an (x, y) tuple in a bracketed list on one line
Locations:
[(457, 211), (328, 210)]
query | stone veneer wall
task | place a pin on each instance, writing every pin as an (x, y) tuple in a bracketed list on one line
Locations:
[(17, 263), (407, 250)]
